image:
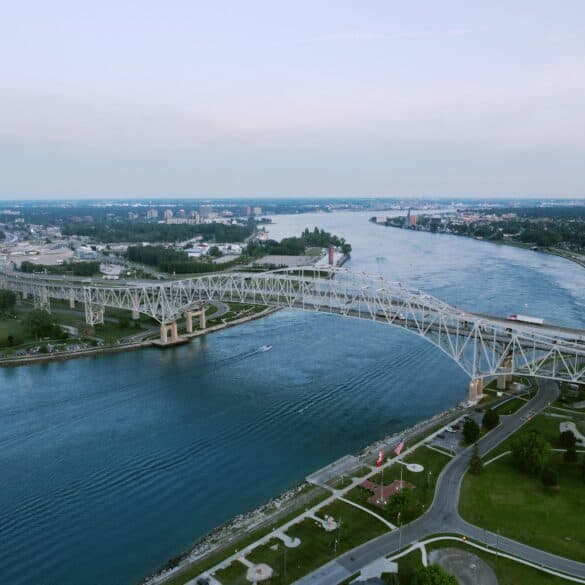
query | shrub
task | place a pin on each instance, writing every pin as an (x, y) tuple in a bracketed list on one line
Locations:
[(567, 439), (433, 575), (490, 420), (549, 478)]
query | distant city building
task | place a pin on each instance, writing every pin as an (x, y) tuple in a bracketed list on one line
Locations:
[(168, 214), (206, 210), (182, 220), (152, 214), (413, 221), (257, 211), (132, 215), (181, 213)]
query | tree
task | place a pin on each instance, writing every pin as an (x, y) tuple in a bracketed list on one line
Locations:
[(39, 323), (471, 431), (406, 503), (476, 464), (433, 575), (529, 451), (570, 455), (7, 300), (549, 477), (567, 439), (214, 252), (491, 419)]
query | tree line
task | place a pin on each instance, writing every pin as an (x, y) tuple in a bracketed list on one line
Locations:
[(135, 231)]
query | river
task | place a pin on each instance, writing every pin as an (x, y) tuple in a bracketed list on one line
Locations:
[(113, 464)]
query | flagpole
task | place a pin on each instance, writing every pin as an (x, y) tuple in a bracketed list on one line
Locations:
[(382, 485)]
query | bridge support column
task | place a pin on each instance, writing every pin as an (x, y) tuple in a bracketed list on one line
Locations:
[(72, 300), (189, 317), (135, 315), (42, 300), (24, 295), (169, 333), (94, 314), (476, 390), (503, 379)]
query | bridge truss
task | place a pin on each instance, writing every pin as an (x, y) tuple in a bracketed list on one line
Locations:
[(481, 345)]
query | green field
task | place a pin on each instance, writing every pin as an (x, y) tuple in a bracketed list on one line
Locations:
[(505, 499)]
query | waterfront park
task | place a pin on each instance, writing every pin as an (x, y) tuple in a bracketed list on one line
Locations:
[(336, 511)]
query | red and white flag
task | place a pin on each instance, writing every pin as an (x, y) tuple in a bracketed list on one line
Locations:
[(380, 459), (399, 447)]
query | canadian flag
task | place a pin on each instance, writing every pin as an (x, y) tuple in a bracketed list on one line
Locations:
[(380, 459), (399, 447)]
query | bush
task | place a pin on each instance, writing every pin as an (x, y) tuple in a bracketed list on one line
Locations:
[(471, 431), (491, 419), (433, 575), (549, 478), (567, 439)]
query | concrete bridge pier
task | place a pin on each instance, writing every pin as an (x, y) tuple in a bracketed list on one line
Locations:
[(169, 333), (24, 295), (476, 389), (135, 315), (72, 300), (503, 379), (189, 317), (42, 301)]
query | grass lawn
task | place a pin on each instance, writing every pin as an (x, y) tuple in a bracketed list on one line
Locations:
[(424, 481), (507, 571), (317, 546), (235, 573), (505, 499), (510, 406), (407, 567), (14, 327)]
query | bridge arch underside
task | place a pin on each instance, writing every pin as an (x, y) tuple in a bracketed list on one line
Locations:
[(481, 346)]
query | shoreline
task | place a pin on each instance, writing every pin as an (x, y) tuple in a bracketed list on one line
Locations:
[(551, 251), (239, 527), (89, 352)]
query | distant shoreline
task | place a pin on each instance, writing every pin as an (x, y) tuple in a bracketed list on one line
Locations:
[(551, 251)]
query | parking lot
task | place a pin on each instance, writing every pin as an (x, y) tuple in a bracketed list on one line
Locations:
[(450, 439)]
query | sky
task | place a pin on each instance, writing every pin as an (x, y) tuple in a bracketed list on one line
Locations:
[(281, 98)]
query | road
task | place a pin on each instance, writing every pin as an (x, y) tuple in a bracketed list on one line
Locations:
[(443, 515)]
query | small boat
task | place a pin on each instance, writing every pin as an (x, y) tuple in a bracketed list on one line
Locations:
[(265, 348)]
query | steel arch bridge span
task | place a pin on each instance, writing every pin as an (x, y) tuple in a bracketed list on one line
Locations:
[(481, 345)]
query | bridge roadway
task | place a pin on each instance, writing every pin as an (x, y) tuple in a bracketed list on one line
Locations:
[(443, 515)]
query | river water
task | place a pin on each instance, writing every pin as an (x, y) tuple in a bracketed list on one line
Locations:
[(110, 465)]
